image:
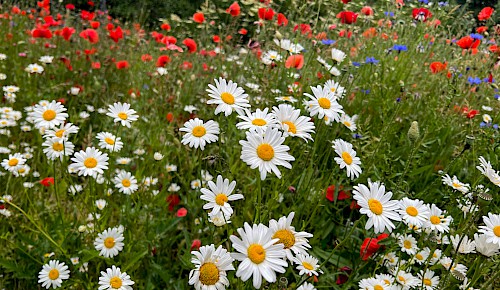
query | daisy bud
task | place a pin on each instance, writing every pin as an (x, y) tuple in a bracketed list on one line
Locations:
[(414, 132), (158, 156), (82, 228)]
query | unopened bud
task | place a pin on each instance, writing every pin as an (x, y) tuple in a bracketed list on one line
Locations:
[(414, 132)]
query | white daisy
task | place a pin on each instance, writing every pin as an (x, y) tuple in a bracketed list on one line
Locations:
[(49, 116), (338, 55), (260, 255), (109, 141), (265, 151), (270, 56), (62, 131), (195, 184), (462, 244), (199, 133), (286, 44), (408, 244), (347, 159), (421, 257), (446, 263), (14, 162), (286, 99), (377, 205), (259, 120), (413, 212), (123, 160), (323, 103), (294, 242), (210, 268), (219, 195), (57, 148), (125, 182), (492, 228), (46, 59), (428, 280), (110, 242), (306, 286), (292, 123), (373, 284), (113, 278), (307, 264), (22, 171), (488, 171), (122, 113), (227, 96), (100, 204), (484, 247), (335, 88), (349, 122), (437, 221), (53, 274), (456, 184), (407, 280), (219, 219), (89, 162)]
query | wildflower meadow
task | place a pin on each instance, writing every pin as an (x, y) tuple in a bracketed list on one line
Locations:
[(333, 144)]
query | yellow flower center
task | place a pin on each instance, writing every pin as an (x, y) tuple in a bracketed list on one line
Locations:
[(199, 131), (60, 133), (21, 170), (435, 220), (90, 162), (256, 253), (456, 185), (411, 210), (324, 103), (220, 199), (58, 146), (109, 141), (375, 206), (427, 282), (307, 266), (291, 127), (265, 152), (378, 287), (419, 257), (434, 255), (227, 98), (115, 282), (126, 182), (407, 244), (387, 282), (53, 274), (259, 122), (122, 115), (109, 242), (347, 158), (496, 231), (209, 274), (13, 162), (49, 115), (286, 238), (347, 124), (402, 279), (333, 90)]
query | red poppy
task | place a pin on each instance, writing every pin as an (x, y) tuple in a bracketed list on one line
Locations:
[(181, 212), (347, 17), (346, 1), (370, 246), (198, 17), (437, 67), (173, 200), (243, 31), (41, 33), (47, 181), (15, 10), (330, 193), (234, 9), (481, 29), (86, 15), (90, 35), (266, 14), (122, 64), (282, 21), (96, 65), (485, 13), (162, 60), (191, 44), (165, 26), (216, 38), (421, 14), (304, 28), (70, 6), (295, 61), (146, 57), (472, 113), (116, 34), (367, 10), (170, 118), (67, 32), (195, 245), (95, 24), (467, 42)]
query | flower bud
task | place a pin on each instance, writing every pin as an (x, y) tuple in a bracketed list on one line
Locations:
[(414, 132)]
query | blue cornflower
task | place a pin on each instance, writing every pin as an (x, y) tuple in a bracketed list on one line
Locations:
[(389, 13), (476, 36), (442, 4), (328, 41), (366, 92), (424, 1), (400, 47), (145, 86), (357, 136), (356, 64), (474, 81), (495, 126), (497, 96), (398, 100), (371, 59)]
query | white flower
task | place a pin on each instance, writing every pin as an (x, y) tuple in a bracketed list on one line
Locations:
[(114, 279), (492, 228), (413, 212), (171, 167), (49, 116), (294, 242), (46, 59), (286, 44), (292, 123), (158, 156), (307, 265), (266, 152), (260, 256), (14, 162), (34, 68), (373, 284), (126, 182), (122, 113), (62, 131), (428, 279), (323, 103), (271, 56), (53, 274), (408, 244), (488, 171), (347, 158), (57, 148), (335, 88), (455, 183), (219, 195), (306, 286), (377, 205), (227, 96), (100, 203), (90, 162), (466, 246), (110, 242), (259, 120), (338, 55), (437, 221), (210, 268), (219, 219), (109, 141), (173, 187), (199, 133), (484, 247)]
